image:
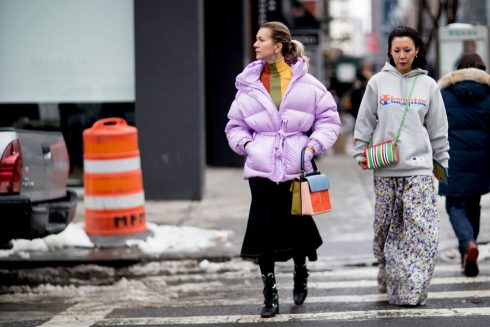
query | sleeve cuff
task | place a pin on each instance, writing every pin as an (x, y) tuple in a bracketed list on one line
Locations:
[(242, 142), (316, 146)]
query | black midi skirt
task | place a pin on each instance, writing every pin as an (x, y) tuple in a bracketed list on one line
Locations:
[(272, 230)]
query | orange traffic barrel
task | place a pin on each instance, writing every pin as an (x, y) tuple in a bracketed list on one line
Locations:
[(113, 188)]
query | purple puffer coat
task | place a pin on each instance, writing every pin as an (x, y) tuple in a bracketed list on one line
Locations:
[(278, 136)]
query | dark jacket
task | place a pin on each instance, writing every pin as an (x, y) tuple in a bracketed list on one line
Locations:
[(466, 94)]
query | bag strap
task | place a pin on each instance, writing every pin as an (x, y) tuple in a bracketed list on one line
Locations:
[(407, 105), (303, 173)]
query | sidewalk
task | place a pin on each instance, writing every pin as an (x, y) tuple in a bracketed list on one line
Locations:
[(346, 230)]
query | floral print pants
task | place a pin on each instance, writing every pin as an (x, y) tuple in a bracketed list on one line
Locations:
[(406, 236)]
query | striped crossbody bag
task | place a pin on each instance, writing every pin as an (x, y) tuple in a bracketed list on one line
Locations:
[(386, 153)]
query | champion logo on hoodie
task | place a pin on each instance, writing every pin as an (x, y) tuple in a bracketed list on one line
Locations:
[(387, 99)]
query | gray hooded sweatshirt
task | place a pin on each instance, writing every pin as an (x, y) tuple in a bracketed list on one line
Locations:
[(424, 134)]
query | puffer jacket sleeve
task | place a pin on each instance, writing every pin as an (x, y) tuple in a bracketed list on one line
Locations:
[(326, 127), (237, 131)]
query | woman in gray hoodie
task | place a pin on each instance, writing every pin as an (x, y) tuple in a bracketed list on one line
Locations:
[(406, 224)]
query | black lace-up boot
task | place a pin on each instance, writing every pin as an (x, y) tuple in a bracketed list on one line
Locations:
[(271, 298), (300, 290)]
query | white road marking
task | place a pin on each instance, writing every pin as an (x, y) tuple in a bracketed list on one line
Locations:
[(319, 316), (80, 315), (207, 286), (373, 283), (350, 272), (330, 299)]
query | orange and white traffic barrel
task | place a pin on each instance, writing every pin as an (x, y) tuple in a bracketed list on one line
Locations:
[(113, 188)]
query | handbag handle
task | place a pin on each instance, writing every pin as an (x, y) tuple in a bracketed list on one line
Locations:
[(407, 105), (303, 162)]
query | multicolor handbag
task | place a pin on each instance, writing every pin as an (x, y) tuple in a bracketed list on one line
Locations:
[(382, 154), (386, 153), (310, 192)]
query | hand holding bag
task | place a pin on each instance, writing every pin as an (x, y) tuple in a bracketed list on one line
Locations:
[(386, 153), (308, 158), (382, 154), (310, 192)]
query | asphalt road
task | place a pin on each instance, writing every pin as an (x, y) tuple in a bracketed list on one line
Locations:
[(193, 293)]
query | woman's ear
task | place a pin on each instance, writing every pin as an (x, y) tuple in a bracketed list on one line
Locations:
[(277, 48)]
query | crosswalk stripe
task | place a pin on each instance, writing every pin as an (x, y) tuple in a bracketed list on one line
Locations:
[(211, 286), (79, 315), (372, 283), (352, 272), (382, 297), (366, 298), (323, 316)]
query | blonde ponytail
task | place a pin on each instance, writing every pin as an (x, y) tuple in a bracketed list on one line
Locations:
[(297, 51)]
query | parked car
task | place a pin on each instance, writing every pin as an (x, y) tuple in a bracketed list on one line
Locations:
[(34, 200)]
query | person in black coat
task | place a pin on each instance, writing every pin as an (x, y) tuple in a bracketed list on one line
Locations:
[(466, 94)]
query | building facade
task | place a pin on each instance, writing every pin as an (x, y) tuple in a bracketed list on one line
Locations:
[(167, 67)]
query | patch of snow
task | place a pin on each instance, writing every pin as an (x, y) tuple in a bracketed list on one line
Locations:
[(165, 239), (168, 239), (73, 236)]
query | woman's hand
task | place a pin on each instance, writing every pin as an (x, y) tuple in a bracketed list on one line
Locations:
[(309, 153), (362, 163)]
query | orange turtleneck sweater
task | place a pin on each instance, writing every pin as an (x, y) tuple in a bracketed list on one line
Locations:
[(276, 78)]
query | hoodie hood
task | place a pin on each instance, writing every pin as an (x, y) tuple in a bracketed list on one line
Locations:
[(468, 83), (250, 77), (392, 70)]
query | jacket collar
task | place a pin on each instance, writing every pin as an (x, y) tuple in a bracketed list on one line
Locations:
[(467, 74)]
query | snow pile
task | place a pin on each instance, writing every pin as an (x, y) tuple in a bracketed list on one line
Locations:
[(168, 239), (165, 239)]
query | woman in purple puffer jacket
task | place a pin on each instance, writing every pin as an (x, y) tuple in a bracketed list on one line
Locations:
[(279, 110)]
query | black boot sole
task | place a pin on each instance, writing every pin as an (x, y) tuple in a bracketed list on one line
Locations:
[(471, 269), (299, 298), (270, 313)]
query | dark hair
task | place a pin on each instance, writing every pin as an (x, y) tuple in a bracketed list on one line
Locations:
[(400, 31), (291, 49), (471, 60)]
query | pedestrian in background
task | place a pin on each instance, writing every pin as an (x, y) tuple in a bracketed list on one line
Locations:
[(351, 100), (466, 94), (278, 104), (406, 222)]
